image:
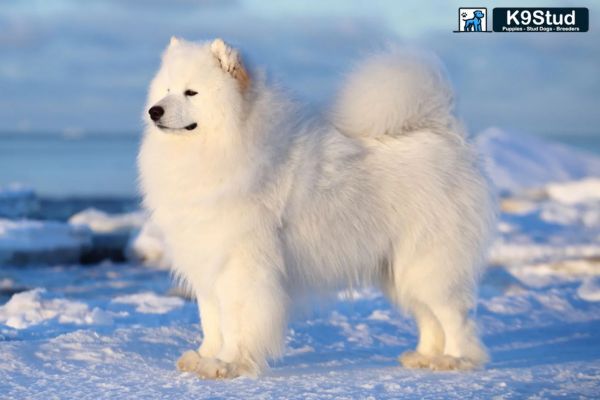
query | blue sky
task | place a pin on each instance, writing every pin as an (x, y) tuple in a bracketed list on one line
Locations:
[(74, 67)]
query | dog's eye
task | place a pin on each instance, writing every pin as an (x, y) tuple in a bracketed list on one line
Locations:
[(190, 93)]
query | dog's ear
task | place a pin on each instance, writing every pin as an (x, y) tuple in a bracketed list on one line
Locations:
[(231, 62), (174, 41)]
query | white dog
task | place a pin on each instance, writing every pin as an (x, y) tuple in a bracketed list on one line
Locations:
[(261, 203)]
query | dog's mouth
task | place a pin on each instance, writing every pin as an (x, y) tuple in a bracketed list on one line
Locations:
[(189, 127)]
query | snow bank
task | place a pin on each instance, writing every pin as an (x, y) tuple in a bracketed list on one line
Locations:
[(547, 273), (47, 242), (590, 290), (583, 191), (31, 308), (17, 201), (511, 252), (518, 162), (562, 206), (100, 222)]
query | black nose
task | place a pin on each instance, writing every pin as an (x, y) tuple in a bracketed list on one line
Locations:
[(156, 112)]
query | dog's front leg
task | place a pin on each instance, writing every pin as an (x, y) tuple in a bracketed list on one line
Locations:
[(211, 330), (252, 305)]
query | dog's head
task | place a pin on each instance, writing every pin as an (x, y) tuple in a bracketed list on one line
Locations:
[(478, 14), (198, 87)]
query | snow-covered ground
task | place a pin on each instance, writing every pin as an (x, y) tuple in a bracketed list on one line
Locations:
[(114, 330)]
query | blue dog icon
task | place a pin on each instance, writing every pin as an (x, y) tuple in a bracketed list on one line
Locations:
[(474, 24)]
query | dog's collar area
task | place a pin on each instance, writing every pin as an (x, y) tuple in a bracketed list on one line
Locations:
[(189, 127)]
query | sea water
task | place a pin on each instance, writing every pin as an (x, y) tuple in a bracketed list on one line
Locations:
[(57, 166)]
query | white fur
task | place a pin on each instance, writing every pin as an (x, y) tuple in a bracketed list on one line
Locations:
[(263, 203)]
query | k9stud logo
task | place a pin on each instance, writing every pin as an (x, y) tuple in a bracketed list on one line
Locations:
[(524, 19), (472, 19)]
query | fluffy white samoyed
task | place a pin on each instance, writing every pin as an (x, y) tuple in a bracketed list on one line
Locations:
[(262, 202)]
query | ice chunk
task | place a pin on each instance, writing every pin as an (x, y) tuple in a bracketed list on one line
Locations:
[(111, 232), (17, 201), (100, 222), (45, 242)]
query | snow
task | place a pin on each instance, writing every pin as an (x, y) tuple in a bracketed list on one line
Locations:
[(543, 341), (590, 289), (516, 162), (29, 308), (114, 330), (557, 222), (582, 191), (150, 303)]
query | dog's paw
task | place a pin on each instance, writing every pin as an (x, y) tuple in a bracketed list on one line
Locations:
[(414, 359), (449, 363), (207, 368), (189, 361), (213, 368)]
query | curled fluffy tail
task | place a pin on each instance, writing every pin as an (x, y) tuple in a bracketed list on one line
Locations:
[(395, 92)]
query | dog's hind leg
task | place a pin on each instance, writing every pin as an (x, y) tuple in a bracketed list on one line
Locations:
[(463, 349), (438, 294), (431, 335), (431, 338)]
